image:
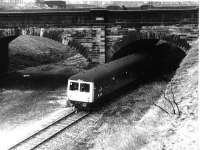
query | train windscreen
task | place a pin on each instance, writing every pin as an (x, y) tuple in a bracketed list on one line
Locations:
[(84, 87), (73, 86)]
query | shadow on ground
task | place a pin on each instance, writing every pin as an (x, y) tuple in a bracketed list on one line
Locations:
[(43, 82)]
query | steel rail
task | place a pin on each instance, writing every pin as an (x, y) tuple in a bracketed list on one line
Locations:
[(54, 123), (52, 136)]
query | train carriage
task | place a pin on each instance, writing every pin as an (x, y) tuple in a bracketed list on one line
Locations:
[(88, 87)]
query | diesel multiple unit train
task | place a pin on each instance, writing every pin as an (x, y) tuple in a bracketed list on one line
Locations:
[(87, 87)]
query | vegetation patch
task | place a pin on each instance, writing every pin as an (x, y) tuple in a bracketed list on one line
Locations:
[(117, 128)]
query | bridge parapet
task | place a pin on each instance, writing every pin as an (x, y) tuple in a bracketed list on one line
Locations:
[(95, 30), (64, 18)]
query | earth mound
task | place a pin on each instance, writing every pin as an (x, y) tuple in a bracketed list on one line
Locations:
[(29, 51)]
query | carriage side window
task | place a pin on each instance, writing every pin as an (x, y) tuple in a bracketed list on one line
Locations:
[(73, 86), (84, 87)]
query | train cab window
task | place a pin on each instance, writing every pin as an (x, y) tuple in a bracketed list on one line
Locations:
[(84, 87), (125, 74), (73, 86)]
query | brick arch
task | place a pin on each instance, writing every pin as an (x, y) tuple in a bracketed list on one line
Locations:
[(7, 36), (166, 51), (137, 41), (80, 49)]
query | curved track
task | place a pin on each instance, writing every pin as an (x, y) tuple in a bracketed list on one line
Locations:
[(50, 131)]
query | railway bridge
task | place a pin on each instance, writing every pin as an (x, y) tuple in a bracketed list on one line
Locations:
[(94, 32)]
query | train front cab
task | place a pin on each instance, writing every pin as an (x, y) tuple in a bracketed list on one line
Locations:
[(79, 91)]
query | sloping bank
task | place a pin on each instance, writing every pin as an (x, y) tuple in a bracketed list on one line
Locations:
[(158, 128), (177, 132), (40, 56)]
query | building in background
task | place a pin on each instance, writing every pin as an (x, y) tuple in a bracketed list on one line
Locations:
[(11, 2), (55, 4), (14, 3), (70, 4)]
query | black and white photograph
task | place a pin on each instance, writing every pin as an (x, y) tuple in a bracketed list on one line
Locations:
[(99, 74)]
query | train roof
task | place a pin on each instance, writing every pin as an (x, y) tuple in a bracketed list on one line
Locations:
[(108, 69)]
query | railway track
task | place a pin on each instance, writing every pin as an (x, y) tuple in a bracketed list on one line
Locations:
[(50, 131)]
